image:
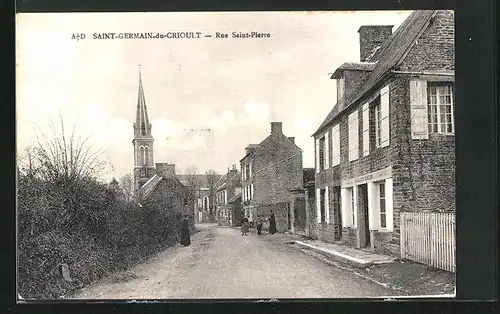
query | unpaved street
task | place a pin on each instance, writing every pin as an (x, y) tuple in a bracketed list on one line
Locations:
[(220, 263)]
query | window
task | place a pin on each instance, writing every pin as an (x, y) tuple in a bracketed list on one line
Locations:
[(247, 171), (348, 207), (378, 124), (146, 155), (340, 87), (382, 209), (353, 136), (322, 153), (440, 107)]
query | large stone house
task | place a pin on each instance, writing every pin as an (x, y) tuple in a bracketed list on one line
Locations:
[(227, 189), (269, 171), (388, 145)]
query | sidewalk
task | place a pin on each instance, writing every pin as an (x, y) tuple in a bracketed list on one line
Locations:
[(342, 253), (404, 277)]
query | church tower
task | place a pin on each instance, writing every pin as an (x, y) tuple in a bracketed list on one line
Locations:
[(144, 167)]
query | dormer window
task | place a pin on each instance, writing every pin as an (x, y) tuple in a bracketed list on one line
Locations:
[(340, 87), (143, 128)]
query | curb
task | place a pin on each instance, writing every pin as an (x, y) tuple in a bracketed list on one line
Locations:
[(356, 262)]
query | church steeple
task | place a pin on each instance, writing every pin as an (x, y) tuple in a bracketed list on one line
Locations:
[(142, 127), (143, 141)]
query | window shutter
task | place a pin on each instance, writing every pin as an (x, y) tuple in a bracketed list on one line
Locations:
[(344, 201), (355, 209), (318, 206), (389, 204), (336, 145), (317, 155), (327, 205), (326, 150), (353, 136), (418, 109), (384, 108), (366, 130), (372, 205)]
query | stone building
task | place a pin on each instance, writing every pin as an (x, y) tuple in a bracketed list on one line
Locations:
[(226, 189), (165, 191), (203, 194), (387, 146), (269, 171)]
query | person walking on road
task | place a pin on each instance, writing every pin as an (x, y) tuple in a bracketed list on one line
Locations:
[(259, 226), (185, 237), (272, 223), (244, 227)]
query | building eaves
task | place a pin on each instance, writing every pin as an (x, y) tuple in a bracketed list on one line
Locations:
[(353, 66)]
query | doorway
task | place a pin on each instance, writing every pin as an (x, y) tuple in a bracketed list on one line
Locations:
[(364, 227), (299, 212)]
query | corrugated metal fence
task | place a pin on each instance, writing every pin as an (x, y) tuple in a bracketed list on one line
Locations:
[(429, 238)]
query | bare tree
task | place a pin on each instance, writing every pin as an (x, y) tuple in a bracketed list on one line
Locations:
[(194, 185), (60, 156), (212, 178), (127, 186)]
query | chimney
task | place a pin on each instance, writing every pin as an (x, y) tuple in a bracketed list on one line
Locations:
[(371, 37), (165, 170), (291, 138), (276, 127)]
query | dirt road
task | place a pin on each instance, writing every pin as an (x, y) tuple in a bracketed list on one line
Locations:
[(221, 263)]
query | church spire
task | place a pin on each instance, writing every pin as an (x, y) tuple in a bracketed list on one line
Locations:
[(142, 125)]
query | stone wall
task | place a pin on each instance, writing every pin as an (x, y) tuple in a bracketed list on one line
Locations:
[(435, 48)]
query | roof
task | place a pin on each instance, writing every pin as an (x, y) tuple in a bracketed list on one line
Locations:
[(235, 198), (257, 146), (251, 146), (391, 54), (149, 186), (224, 180), (353, 66), (200, 179)]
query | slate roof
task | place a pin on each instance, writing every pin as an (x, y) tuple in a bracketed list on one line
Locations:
[(353, 66), (235, 198), (390, 55), (149, 186), (223, 181), (200, 179)]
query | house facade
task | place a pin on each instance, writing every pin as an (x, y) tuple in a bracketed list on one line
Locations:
[(227, 188), (387, 146), (269, 171)]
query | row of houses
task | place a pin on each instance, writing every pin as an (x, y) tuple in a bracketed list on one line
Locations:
[(383, 153)]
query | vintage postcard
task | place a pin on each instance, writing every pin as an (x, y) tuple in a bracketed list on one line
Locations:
[(235, 155)]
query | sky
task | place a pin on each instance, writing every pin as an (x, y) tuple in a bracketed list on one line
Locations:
[(207, 98)]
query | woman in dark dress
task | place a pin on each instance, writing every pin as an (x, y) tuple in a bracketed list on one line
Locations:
[(272, 223), (185, 238)]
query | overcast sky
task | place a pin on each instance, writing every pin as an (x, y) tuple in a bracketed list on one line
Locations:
[(234, 87)]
